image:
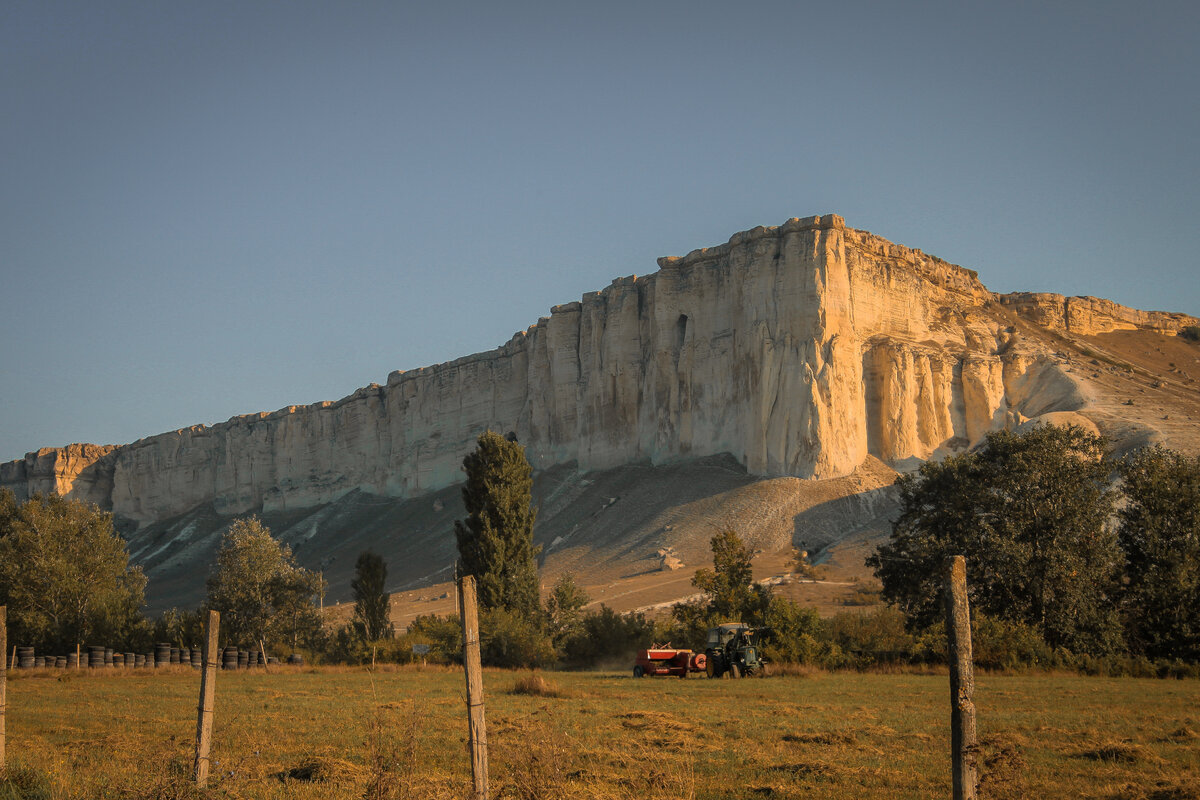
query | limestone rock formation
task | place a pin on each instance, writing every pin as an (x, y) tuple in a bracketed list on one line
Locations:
[(81, 471), (800, 349)]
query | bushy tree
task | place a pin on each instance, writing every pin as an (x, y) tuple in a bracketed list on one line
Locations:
[(184, 628), (495, 541), (564, 609), (65, 574), (1160, 536), (371, 615), (508, 638), (444, 636), (608, 639), (729, 585), (1029, 512), (792, 632), (263, 596)]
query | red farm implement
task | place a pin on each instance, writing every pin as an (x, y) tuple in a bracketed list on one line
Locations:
[(667, 661)]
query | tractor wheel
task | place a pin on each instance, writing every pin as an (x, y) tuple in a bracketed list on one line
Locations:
[(734, 671), (638, 672), (712, 666)]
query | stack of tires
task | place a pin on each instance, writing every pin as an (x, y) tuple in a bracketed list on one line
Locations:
[(162, 655), (95, 658), (25, 658)]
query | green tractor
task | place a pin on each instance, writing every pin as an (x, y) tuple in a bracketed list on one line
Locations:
[(731, 648)]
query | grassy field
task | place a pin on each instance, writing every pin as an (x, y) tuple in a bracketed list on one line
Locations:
[(339, 733)]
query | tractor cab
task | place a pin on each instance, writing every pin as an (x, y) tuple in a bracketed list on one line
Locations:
[(721, 635)]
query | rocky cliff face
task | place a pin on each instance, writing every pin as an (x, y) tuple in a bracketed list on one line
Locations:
[(799, 349), (82, 471)]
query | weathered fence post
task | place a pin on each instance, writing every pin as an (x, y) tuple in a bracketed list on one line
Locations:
[(476, 727), (3, 677), (208, 690), (963, 752)]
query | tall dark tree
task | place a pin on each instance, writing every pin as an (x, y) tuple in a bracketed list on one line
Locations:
[(371, 617), (495, 541), (1030, 512), (1160, 536)]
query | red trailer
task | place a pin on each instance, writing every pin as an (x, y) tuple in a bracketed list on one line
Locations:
[(667, 661)]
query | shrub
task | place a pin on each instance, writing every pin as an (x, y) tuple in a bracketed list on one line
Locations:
[(792, 632), (687, 627), (1191, 333), (866, 639), (1004, 644), (608, 638), (348, 646), (509, 639), (442, 634)]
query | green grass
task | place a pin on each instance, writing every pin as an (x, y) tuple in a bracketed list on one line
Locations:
[(337, 733)]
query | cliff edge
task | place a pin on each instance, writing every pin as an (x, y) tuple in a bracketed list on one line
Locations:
[(801, 350)]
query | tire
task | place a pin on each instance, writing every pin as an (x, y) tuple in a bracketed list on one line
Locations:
[(734, 672), (712, 666), (638, 672)]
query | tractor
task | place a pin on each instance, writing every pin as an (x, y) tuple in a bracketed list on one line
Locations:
[(731, 648)]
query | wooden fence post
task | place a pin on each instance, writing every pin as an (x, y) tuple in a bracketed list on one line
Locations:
[(208, 691), (3, 677), (963, 751), (476, 728)]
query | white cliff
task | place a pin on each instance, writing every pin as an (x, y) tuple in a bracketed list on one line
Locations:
[(799, 349)]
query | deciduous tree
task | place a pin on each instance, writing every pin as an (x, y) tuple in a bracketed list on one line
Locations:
[(1160, 536), (564, 609), (1029, 511), (263, 596), (65, 574), (732, 595)]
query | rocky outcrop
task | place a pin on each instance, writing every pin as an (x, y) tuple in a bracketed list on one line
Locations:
[(799, 349), (1088, 316), (82, 471)]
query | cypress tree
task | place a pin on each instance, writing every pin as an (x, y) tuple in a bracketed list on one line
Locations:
[(495, 541), (370, 600)]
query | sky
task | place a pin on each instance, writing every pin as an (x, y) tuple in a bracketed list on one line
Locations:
[(210, 209)]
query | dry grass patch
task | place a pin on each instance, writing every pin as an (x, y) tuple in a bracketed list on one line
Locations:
[(535, 685), (320, 769), (654, 721), (1160, 790), (806, 769), (1182, 734), (791, 670), (1119, 752), (1002, 768), (824, 737)]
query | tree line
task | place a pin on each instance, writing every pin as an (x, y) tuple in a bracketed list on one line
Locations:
[(1074, 559), (1093, 555)]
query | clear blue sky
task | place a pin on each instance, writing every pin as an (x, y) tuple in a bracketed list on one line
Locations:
[(209, 209)]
